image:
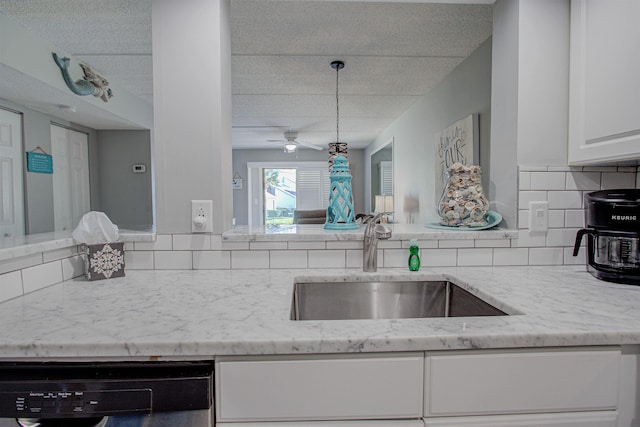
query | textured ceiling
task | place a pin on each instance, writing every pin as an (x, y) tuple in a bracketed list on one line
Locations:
[(281, 77)]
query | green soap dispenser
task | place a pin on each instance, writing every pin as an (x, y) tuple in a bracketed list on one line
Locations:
[(414, 256)]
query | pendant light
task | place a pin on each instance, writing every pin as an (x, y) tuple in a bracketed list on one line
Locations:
[(337, 147), (340, 212)]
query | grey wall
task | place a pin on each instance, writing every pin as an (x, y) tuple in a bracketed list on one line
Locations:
[(38, 200), (241, 157), (125, 196), (466, 90)]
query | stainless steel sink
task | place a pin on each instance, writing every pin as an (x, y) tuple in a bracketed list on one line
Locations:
[(385, 300)]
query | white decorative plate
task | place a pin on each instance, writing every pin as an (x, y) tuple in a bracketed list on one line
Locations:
[(493, 219)]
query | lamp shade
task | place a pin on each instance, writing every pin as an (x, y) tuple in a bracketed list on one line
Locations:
[(384, 204)]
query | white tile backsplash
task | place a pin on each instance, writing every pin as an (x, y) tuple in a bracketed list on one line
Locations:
[(438, 257), (10, 285), (59, 254), (211, 260), (19, 263), (307, 245), (191, 242), (574, 218), (163, 243), (40, 276), (138, 260), (327, 259), (475, 257), (259, 246), (618, 180), (531, 196), (209, 251), (585, 181), (249, 259), (455, 243), (524, 181), (547, 180), (565, 200), (74, 267), (556, 218), (235, 246), (511, 256), (561, 237), (346, 244), (528, 240), (288, 259), (396, 258), (546, 256), (172, 260)]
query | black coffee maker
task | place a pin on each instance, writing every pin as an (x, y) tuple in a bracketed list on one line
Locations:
[(612, 220)]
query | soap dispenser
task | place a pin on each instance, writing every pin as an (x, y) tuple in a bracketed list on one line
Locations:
[(414, 255)]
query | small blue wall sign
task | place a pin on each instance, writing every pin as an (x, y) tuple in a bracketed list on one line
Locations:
[(39, 163)]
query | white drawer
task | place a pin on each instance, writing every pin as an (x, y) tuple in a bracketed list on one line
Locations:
[(502, 382), (320, 387), (580, 419)]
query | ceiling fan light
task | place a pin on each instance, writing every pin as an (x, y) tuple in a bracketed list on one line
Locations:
[(290, 148)]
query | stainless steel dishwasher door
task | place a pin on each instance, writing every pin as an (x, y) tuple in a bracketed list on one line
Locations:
[(145, 394)]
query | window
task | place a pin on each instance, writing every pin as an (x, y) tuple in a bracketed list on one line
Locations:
[(276, 189)]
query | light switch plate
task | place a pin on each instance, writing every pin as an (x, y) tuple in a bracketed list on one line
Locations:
[(538, 216), (201, 216)]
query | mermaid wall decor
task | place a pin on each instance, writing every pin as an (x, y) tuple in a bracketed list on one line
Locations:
[(91, 84)]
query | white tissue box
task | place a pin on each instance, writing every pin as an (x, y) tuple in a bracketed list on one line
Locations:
[(104, 261)]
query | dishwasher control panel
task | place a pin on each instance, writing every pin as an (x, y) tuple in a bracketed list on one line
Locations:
[(74, 403), (87, 390)]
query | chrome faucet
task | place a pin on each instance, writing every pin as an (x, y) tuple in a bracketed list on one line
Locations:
[(372, 234)]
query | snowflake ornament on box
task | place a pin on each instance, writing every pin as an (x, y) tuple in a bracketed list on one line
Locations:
[(107, 261)]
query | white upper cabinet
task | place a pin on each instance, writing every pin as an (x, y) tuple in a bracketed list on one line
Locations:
[(604, 111)]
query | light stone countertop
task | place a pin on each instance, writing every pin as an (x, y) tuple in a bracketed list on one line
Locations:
[(317, 232), (185, 314), (14, 247)]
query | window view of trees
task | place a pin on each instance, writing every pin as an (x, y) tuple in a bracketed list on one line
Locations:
[(279, 195)]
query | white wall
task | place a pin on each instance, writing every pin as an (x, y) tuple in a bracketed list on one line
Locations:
[(465, 91), (192, 111)]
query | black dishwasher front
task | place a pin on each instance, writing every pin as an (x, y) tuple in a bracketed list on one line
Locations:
[(106, 394)]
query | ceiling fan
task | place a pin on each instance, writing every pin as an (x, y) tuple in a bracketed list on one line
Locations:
[(291, 143)]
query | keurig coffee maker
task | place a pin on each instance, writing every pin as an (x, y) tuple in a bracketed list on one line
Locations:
[(612, 220)]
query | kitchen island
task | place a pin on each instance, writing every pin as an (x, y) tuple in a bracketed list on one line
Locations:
[(155, 314), (565, 355)]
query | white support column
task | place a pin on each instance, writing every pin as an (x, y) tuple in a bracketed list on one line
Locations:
[(192, 111)]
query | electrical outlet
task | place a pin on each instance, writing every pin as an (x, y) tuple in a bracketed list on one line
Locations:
[(201, 215), (538, 216)]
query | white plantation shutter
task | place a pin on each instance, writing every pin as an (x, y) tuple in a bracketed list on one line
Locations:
[(312, 187), (386, 177)]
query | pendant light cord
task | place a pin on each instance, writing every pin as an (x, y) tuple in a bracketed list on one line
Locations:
[(337, 107)]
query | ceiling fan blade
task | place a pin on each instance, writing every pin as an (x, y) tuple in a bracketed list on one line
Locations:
[(276, 140), (309, 145)]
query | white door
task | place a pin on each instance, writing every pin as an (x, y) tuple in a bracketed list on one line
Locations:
[(71, 196), (11, 182)]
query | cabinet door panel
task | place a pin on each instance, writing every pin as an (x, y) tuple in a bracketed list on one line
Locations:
[(586, 419), (604, 125), (503, 382), (320, 388)]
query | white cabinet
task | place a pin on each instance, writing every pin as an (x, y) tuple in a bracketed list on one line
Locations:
[(548, 387), (322, 387), (567, 387), (604, 112), (585, 419)]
